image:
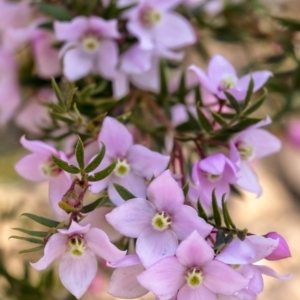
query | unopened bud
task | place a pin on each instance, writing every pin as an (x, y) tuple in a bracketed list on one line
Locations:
[(282, 251)]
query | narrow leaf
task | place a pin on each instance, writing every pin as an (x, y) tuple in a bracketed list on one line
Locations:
[(204, 122), (56, 11), (79, 152), (27, 239), (186, 189), (123, 192), (65, 166), (92, 206), (102, 174), (227, 219), (57, 92), (243, 124), (97, 160), (233, 102), (31, 249), (249, 93), (163, 79), (218, 118), (201, 211), (31, 232), (216, 211), (41, 220), (256, 105)]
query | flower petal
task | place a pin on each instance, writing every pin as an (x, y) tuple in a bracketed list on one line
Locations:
[(153, 245), (132, 217), (270, 272), (37, 146), (55, 247), (77, 273), (70, 31), (259, 78), (108, 56), (105, 28), (75, 228), (203, 79), (199, 293)]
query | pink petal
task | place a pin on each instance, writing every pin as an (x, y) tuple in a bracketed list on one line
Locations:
[(124, 283), (126, 261), (77, 273), (203, 79), (116, 138), (222, 279), (153, 245), (105, 28), (77, 64), (270, 272), (120, 85), (75, 228), (256, 283), (132, 217), (194, 251), (70, 31), (174, 31), (108, 57), (282, 250), (37, 146), (164, 5), (186, 220), (145, 162), (55, 247), (198, 293), (165, 193), (179, 114), (98, 241), (164, 278), (213, 164), (132, 182), (259, 78)]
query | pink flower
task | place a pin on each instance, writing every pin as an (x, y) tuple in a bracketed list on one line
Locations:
[(248, 145), (155, 24), (159, 222), (38, 166), (192, 274), (293, 132), (282, 250), (221, 76), (135, 163), (90, 46), (78, 247), (213, 172)]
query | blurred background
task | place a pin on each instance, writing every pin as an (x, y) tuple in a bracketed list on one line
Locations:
[(250, 38)]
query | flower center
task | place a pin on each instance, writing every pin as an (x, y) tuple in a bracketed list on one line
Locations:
[(245, 150), (161, 221), (90, 43), (194, 277), (227, 82), (122, 167), (149, 16), (76, 245), (49, 168), (212, 177)]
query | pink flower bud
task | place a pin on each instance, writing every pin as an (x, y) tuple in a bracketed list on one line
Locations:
[(282, 251)]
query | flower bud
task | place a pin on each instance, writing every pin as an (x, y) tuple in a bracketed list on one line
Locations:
[(282, 251)]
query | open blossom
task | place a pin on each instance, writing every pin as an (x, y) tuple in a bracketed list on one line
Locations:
[(248, 145), (90, 46), (221, 76), (135, 163), (213, 172), (192, 274), (155, 23), (78, 247), (159, 222), (38, 166)]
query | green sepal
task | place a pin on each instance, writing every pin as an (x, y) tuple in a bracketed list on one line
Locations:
[(123, 192), (92, 206), (79, 152), (185, 189), (41, 220), (233, 102), (31, 250), (31, 232), (103, 173), (249, 93), (27, 239), (65, 166), (97, 160), (216, 211), (201, 212)]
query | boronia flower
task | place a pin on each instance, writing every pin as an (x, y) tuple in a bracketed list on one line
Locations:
[(78, 247), (192, 274), (159, 222), (135, 163)]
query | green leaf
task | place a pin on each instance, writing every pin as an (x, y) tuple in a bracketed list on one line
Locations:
[(243, 124), (256, 105), (201, 211), (204, 122), (227, 219), (31, 249), (65, 166), (79, 152), (56, 11), (198, 95), (186, 189), (163, 79), (216, 211), (97, 160), (123, 192), (92, 206), (249, 93), (41, 220), (103, 173), (27, 239), (218, 118), (57, 92), (292, 24), (233, 102), (33, 233), (62, 118)]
